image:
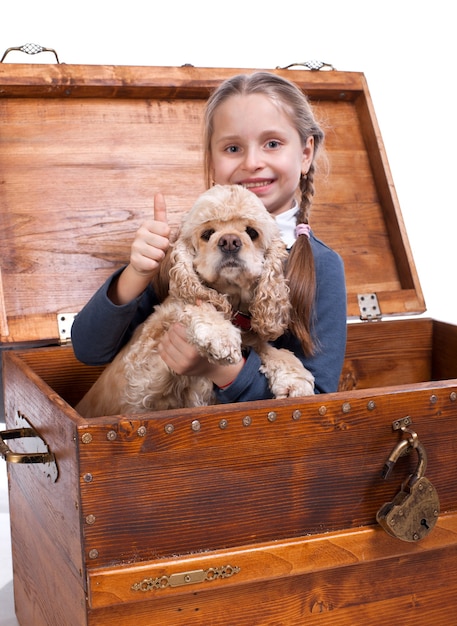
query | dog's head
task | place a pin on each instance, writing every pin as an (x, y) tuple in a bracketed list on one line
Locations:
[(229, 251)]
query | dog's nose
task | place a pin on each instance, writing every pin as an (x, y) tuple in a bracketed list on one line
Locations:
[(229, 243)]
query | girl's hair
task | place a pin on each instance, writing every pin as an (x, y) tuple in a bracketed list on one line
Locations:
[(300, 270)]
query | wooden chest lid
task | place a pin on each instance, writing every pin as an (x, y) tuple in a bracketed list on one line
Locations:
[(83, 149)]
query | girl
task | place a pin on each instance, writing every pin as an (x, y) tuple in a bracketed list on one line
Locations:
[(260, 132)]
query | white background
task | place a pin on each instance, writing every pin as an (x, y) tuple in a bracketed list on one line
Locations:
[(406, 49)]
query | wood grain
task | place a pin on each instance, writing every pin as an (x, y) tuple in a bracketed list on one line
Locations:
[(84, 149)]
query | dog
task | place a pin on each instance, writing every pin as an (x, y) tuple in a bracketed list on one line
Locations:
[(227, 287)]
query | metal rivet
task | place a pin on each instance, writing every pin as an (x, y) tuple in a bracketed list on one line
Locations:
[(93, 554), (141, 431), (296, 415), (247, 420), (111, 435), (223, 424), (90, 519), (88, 478), (453, 396), (371, 405), (322, 410), (271, 417), (346, 407), (433, 399), (195, 425), (86, 438), (169, 428)]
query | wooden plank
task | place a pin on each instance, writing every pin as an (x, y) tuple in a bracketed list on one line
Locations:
[(261, 563), (416, 587), (319, 473), (45, 515), (380, 354)]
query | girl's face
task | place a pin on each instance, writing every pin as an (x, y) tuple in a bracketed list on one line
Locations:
[(254, 144)]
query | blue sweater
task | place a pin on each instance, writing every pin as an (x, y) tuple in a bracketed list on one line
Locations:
[(102, 328)]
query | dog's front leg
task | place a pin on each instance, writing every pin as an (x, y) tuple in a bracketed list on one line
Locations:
[(287, 377), (215, 336)]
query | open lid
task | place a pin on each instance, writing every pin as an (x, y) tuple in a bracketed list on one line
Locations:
[(83, 149)]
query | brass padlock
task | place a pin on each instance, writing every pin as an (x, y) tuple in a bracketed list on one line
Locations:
[(415, 509)]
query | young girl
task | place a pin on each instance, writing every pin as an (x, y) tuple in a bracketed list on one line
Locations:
[(260, 132)]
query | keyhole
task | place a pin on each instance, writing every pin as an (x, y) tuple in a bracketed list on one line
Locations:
[(424, 523)]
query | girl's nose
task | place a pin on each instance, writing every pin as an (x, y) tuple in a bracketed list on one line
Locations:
[(253, 159)]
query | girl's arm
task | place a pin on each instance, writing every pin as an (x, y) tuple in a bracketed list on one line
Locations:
[(108, 320)]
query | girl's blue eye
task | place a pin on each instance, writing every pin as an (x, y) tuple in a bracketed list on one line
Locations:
[(273, 143), (232, 149)]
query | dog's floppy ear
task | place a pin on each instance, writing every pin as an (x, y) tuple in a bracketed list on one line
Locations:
[(270, 310), (185, 283)]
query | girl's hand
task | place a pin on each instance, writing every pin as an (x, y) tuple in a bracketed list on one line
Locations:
[(151, 240), (184, 359), (147, 252)]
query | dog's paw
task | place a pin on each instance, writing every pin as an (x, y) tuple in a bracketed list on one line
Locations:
[(286, 375), (220, 343), (294, 385)]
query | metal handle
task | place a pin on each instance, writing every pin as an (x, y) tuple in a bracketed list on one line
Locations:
[(44, 456), (30, 48), (313, 65)]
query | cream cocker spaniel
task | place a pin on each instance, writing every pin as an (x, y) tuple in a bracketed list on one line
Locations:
[(227, 264)]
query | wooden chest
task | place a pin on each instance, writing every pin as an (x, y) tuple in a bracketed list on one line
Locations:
[(252, 514)]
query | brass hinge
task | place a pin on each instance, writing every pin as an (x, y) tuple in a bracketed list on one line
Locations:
[(369, 307), (64, 323)]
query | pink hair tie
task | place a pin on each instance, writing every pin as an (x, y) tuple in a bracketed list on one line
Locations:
[(302, 229)]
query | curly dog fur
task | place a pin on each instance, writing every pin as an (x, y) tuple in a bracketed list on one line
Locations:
[(228, 258)]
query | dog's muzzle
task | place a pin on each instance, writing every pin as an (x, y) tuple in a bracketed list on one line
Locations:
[(230, 244)]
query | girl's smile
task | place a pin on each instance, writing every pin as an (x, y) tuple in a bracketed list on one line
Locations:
[(254, 144)]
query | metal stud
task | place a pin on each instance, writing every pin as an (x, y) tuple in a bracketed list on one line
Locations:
[(195, 426)]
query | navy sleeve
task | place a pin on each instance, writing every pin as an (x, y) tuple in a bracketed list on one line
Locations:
[(102, 328)]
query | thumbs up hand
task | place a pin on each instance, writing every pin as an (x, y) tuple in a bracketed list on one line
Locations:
[(151, 240)]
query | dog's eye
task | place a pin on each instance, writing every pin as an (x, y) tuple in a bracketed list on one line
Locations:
[(253, 234), (206, 234)]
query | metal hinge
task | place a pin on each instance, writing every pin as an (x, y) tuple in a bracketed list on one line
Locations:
[(369, 306), (64, 323)]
